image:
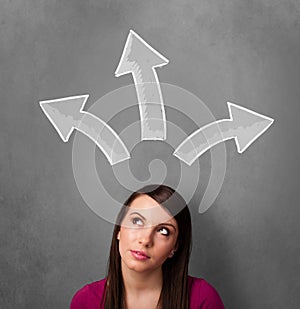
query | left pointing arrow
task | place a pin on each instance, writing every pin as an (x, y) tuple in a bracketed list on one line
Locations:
[(66, 114)]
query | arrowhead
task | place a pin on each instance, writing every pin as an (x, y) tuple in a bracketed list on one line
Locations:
[(138, 53), (64, 113), (247, 125)]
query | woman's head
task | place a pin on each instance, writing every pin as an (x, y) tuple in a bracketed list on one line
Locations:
[(147, 236), (156, 221)]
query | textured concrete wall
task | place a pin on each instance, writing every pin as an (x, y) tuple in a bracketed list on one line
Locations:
[(247, 243)]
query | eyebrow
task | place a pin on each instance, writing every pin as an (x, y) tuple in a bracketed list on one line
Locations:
[(169, 224), (163, 223), (136, 213)]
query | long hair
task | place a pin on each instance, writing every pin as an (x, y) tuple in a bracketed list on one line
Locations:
[(174, 293)]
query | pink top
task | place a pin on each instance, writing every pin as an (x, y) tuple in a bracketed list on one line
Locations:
[(202, 295)]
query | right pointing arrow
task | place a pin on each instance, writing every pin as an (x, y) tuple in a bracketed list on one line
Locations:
[(244, 125), (67, 114)]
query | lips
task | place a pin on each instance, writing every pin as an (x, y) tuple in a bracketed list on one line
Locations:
[(139, 255)]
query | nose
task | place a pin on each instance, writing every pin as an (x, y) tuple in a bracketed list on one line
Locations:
[(146, 237)]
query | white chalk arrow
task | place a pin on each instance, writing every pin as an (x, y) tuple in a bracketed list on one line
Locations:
[(140, 59), (244, 125), (67, 114)]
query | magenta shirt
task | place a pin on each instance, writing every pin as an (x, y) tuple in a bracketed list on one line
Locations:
[(202, 295)]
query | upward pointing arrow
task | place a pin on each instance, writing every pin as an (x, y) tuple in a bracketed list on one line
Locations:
[(67, 114), (244, 125), (140, 59)]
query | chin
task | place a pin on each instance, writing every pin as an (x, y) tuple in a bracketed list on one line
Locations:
[(136, 267)]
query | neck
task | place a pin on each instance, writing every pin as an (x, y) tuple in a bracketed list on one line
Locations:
[(136, 282)]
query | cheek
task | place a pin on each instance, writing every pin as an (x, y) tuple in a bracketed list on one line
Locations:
[(126, 237), (164, 247)]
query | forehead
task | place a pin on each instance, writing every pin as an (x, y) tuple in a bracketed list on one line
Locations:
[(151, 210)]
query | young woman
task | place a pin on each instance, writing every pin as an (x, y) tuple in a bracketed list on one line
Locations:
[(149, 256)]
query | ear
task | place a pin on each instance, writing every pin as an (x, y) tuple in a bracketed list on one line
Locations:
[(118, 236), (171, 253)]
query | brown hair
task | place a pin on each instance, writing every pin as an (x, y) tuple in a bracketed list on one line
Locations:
[(174, 292)]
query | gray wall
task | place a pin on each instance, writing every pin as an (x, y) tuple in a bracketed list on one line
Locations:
[(248, 52)]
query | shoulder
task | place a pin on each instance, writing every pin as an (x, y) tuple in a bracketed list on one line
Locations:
[(203, 295), (89, 296)]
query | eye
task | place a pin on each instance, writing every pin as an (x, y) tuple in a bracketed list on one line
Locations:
[(137, 221), (164, 231)]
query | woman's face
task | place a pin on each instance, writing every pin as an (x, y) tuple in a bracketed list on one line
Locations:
[(147, 236)]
